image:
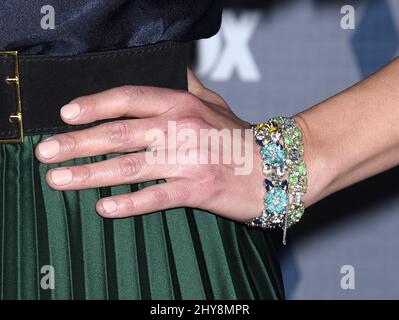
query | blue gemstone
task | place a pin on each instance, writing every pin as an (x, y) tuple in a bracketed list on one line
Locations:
[(268, 185), (284, 185), (273, 154), (294, 154), (288, 123), (257, 222), (276, 201)]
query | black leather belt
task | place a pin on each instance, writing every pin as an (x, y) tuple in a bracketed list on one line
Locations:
[(36, 87)]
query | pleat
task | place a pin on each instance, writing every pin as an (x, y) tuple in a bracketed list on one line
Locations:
[(125, 252), (183, 250), (60, 241), (160, 283), (29, 287), (121, 247), (268, 257), (89, 232), (212, 252), (42, 239), (242, 284), (255, 267), (170, 257), (11, 248), (173, 254)]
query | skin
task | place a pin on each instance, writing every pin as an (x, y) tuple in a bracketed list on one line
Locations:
[(347, 138)]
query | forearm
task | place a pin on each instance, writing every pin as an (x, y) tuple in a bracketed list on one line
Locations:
[(353, 135)]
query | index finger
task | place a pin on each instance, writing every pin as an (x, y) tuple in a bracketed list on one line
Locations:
[(126, 101)]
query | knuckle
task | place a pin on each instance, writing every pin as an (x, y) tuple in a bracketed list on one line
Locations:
[(69, 142), (187, 99), (84, 174), (190, 103), (131, 92), (161, 196), (118, 132), (125, 203), (130, 166), (128, 203)]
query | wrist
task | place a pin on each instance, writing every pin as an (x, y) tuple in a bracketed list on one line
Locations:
[(321, 172)]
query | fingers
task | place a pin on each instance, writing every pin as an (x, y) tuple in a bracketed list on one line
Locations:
[(126, 101), (130, 168), (150, 199), (199, 90), (115, 136), (150, 103)]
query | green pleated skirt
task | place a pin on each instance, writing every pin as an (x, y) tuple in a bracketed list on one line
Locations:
[(53, 245)]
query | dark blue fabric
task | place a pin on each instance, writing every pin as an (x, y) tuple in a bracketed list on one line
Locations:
[(84, 26)]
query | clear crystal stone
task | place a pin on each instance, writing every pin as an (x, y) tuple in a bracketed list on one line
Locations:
[(280, 171), (267, 169), (260, 135)]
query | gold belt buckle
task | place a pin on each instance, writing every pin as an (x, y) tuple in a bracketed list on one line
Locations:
[(17, 116)]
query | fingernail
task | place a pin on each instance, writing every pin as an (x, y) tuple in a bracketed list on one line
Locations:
[(49, 148), (70, 111), (61, 176), (109, 206)]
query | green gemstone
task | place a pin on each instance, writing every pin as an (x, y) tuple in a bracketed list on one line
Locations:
[(288, 141), (297, 133), (297, 215), (292, 179), (302, 170), (278, 120)]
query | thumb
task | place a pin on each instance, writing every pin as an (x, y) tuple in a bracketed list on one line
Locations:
[(199, 90)]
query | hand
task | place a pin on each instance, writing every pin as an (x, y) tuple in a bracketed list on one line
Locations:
[(212, 187)]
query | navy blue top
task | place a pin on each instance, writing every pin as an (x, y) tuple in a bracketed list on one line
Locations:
[(84, 26)]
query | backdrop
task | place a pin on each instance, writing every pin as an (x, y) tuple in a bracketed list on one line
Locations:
[(278, 57)]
